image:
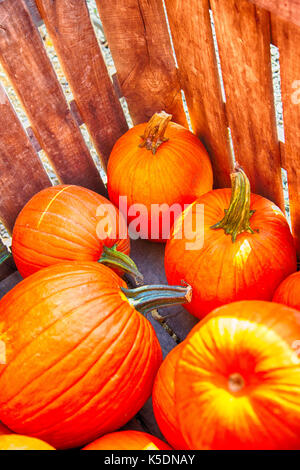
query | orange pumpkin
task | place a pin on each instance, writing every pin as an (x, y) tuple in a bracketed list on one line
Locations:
[(80, 358), (4, 430), (128, 440), (243, 257), (70, 223), (157, 164), (236, 380), (17, 442), (288, 292)]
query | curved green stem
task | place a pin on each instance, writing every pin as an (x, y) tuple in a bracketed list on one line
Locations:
[(147, 298), (113, 258), (237, 217), (154, 133)]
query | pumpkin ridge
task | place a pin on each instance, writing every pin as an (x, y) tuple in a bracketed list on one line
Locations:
[(50, 203)]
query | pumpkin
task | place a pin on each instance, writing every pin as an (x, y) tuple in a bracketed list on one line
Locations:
[(70, 223), (4, 430), (80, 357), (155, 165), (128, 440), (17, 442), (288, 292), (236, 380), (242, 255)]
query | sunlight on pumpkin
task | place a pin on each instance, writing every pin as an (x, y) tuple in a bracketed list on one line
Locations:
[(150, 446), (243, 253)]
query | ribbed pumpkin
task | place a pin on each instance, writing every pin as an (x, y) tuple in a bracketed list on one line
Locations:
[(81, 359), (288, 292), (17, 442), (244, 256), (235, 380), (128, 440), (66, 223), (4, 430), (157, 163)]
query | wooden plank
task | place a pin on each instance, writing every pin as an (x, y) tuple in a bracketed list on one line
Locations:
[(73, 37), (21, 171), (287, 38), (35, 82), (193, 42), (288, 9), (243, 33), (138, 38)]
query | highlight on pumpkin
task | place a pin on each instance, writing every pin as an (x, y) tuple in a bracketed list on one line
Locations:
[(18, 442), (127, 440)]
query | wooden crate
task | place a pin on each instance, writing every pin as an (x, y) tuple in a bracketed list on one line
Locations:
[(150, 79)]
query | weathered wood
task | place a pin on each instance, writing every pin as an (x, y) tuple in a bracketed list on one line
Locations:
[(287, 9), (193, 42), (73, 37), (21, 172), (7, 284), (35, 82), (34, 12), (244, 44), (138, 38), (287, 37), (7, 265)]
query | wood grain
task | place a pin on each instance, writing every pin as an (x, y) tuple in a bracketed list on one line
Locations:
[(73, 37), (41, 95), (193, 42), (287, 37), (287, 9), (138, 38), (243, 33), (21, 171)]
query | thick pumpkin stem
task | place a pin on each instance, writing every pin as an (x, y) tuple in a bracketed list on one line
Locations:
[(113, 258), (147, 298), (237, 217), (154, 133)]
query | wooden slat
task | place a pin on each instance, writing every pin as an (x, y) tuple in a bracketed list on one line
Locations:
[(138, 38), (287, 37), (73, 37), (287, 9), (21, 172), (193, 42), (24, 58), (243, 33)]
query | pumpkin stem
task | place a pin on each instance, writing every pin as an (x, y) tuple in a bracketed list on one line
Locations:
[(154, 133), (237, 217), (4, 253), (113, 258), (147, 298)]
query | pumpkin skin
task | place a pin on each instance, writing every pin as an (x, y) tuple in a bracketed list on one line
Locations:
[(60, 224), (128, 440), (221, 271), (81, 361), (4, 430), (288, 292), (237, 379), (17, 442), (178, 173)]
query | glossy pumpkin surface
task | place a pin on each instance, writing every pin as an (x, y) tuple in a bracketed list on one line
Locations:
[(237, 380), (288, 292), (81, 360), (17, 442), (221, 271), (65, 223), (128, 440), (178, 173)]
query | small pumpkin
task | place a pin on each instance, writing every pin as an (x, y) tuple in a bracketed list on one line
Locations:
[(158, 163), (242, 255), (235, 380), (17, 442), (288, 292), (128, 440), (80, 357), (70, 223)]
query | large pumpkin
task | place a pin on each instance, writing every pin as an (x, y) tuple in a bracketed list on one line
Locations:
[(70, 223), (157, 164), (235, 380), (4, 430), (80, 358), (128, 440), (244, 256), (288, 292), (17, 442)]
